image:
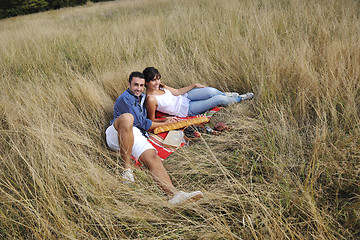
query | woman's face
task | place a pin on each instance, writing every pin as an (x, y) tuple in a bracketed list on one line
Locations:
[(154, 84)]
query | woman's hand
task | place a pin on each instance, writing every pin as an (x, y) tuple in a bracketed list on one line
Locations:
[(197, 85), (171, 120), (168, 120)]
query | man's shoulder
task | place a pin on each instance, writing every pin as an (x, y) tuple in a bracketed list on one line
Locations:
[(125, 96)]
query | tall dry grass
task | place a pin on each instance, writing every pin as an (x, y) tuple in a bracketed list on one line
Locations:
[(288, 169)]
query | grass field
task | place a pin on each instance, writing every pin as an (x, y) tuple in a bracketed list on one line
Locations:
[(288, 169)]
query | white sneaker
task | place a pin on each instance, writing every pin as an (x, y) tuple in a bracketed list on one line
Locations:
[(128, 176), (247, 96), (231, 94), (182, 197)]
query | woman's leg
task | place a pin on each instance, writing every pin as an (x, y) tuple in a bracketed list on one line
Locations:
[(203, 93), (201, 106)]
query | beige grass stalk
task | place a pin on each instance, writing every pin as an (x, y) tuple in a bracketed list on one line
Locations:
[(288, 169)]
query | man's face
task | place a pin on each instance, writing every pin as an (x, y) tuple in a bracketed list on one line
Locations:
[(137, 85)]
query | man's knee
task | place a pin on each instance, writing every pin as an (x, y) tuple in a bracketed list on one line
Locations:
[(150, 158), (124, 121)]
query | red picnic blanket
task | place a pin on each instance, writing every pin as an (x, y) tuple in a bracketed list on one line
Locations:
[(157, 139)]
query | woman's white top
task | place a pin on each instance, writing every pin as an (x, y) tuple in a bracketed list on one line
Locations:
[(173, 105)]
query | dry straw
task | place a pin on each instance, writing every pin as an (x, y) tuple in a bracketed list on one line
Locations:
[(288, 169)]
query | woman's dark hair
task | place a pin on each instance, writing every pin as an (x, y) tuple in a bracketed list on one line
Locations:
[(150, 73)]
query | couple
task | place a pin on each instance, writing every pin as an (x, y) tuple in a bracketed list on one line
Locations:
[(128, 130)]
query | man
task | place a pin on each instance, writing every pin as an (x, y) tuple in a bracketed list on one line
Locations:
[(127, 134)]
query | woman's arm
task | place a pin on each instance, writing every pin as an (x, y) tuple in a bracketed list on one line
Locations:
[(165, 122), (151, 105), (181, 91)]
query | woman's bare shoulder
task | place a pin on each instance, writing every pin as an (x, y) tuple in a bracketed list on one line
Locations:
[(151, 99)]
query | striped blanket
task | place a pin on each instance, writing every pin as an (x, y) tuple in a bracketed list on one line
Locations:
[(157, 139)]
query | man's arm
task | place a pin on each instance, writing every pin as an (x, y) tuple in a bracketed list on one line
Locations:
[(140, 120)]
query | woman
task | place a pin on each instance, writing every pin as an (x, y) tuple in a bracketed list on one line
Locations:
[(187, 101)]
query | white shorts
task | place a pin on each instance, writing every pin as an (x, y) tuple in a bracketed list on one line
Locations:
[(141, 143)]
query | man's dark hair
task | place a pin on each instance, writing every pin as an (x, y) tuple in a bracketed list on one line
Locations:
[(136, 74)]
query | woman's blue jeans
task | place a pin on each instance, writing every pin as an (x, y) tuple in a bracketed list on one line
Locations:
[(204, 99)]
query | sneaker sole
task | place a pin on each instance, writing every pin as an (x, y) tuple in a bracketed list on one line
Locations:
[(193, 198), (248, 96)]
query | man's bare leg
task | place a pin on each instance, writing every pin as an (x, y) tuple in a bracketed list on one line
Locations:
[(124, 126), (159, 173)]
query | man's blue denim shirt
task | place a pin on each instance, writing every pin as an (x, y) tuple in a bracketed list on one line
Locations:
[(128, 102)]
